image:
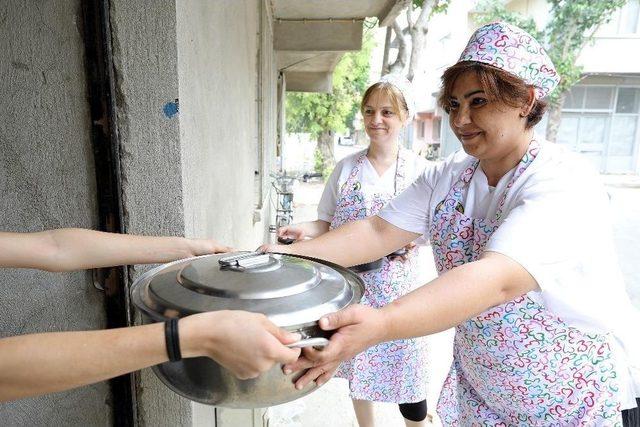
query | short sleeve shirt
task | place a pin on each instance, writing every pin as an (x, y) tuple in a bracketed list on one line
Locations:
[(555, 223), (368, 177)]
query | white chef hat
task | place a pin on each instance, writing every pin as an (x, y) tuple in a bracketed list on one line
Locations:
[(404, 86)]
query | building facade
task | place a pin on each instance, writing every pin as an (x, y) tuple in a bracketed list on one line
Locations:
[(600, 116)]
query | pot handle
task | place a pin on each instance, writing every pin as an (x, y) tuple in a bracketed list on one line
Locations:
[(310, 342)]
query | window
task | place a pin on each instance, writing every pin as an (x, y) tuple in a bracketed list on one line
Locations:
[(627, 100), (436, 128), (421, 126), (623, 134), (602, 123), (598, 98), (589, 98), (575, 98), (568, 132)]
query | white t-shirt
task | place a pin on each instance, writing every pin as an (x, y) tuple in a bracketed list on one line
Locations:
[(373, 183), (556, 224), (369, 179)]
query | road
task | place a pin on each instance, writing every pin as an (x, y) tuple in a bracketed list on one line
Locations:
[(625, 201)]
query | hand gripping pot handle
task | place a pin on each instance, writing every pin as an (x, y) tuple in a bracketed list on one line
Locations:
[(310, 342)]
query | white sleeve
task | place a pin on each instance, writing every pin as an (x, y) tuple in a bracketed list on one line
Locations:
[(410, 209), (329, 199), (549, 228)]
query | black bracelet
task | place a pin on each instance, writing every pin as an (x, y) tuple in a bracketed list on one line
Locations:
[(172, 340)]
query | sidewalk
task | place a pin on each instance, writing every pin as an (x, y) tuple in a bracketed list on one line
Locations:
[(621, 181), (331, 405)]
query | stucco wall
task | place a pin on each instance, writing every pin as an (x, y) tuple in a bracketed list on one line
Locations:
[(47, 181), (190, 172), (223, 140), (227, 127), (145, 59)]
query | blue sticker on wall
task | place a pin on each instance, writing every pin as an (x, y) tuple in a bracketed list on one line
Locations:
[(171, 108)]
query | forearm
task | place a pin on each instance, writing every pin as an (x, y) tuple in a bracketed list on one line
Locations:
[(456, 296), (315, 228), (44, 363), (354, 243), (75, 249)]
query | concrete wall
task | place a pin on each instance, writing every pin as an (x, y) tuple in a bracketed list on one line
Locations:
[(607, 53), (193, 172), (228, 82), (611, 55), (183, 173), (227, 118), (145, 57), (47, 181), (218, 124)]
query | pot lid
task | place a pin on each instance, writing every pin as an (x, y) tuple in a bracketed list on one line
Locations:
[(290, 290)]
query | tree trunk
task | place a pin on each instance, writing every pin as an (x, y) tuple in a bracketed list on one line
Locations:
[(325, 149), (403, 50), (555, 117), (385, 57), (419, 38)]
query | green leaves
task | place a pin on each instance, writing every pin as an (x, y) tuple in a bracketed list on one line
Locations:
[(438, 7), (571, 27), (320, 112)]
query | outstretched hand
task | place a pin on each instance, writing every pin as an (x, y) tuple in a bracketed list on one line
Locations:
[(408, 248), (357, 328), (291, 232), (209, 246), (247, 344)]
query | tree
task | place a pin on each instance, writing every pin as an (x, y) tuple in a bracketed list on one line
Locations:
[(323, 114), (411, 39), (571, 26)]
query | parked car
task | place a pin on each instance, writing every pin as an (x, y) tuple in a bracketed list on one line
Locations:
[(346, 140), (308, 175)]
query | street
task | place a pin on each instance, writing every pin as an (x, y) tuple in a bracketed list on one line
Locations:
[(625, 202)]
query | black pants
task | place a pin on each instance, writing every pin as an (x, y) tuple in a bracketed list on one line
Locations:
[(631, 417), (414, 411)]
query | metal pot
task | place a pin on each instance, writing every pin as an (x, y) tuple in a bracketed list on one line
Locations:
[(292, 291)]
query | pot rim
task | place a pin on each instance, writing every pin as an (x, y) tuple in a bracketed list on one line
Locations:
[(351, 277)]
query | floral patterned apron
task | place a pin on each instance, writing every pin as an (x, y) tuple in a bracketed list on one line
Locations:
[(393, 371), (517, 363)]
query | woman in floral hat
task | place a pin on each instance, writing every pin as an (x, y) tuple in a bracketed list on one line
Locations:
[(358, 187), (520, 230)]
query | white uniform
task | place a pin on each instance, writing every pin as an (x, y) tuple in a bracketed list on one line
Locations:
[(556, 224), (368, 177)]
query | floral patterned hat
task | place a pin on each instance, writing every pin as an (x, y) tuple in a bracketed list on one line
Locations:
[(515, 51)]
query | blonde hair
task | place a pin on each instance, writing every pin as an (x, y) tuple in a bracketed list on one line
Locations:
[(398, 103)]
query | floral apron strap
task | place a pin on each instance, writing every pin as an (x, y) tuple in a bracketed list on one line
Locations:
[(351, 180)]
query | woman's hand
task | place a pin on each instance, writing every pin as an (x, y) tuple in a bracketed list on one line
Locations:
[(358, 327), (247, 344), (291, 232), (207, 246), (404, 256)]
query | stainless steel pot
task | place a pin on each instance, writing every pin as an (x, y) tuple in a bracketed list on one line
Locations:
[(292, 291)]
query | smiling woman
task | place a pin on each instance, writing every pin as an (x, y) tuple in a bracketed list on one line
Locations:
[(492, 113), (358, 187), (545, 333)]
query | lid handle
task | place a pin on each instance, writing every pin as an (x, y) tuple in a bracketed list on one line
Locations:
[(244, 260), (318, 342)]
